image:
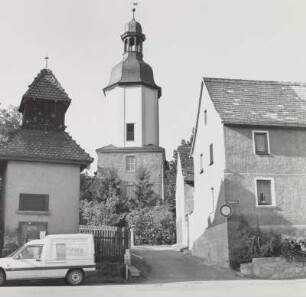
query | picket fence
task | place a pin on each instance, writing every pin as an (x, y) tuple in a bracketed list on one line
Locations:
[(110, 242)]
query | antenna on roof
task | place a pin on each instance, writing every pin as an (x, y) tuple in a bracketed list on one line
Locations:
[(46, 58), (135, 3)]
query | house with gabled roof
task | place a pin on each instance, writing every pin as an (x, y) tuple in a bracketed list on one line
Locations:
[(40, 167), (184, 194), (249, 153)]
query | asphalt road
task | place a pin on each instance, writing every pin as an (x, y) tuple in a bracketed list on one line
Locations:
[(231, 288), (169, 266)]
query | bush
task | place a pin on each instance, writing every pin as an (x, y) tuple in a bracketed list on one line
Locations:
[(257, 243), (153, 225), (293, 249)]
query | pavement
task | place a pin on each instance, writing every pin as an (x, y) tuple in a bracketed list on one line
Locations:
[(228, 288), (168, 265), (173, 274)]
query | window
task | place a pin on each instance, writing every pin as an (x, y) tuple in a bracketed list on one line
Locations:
[(212, 200), (201, 164), (205, 117), (265, 192), (34, 202), (130, 132), (60, 251), (130, 164), (261, 142), (30, 252), (129, 191), (211, 153)]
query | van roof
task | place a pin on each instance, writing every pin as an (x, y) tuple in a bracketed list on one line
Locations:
[(36, 242), (76, 235)]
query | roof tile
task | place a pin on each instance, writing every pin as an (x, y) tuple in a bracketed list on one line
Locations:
[(55, 146), (258, 102)]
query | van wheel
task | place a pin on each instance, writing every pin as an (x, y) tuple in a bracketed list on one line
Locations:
[(2, 278), (75, 277)]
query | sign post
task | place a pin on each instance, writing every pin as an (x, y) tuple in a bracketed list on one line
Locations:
[(127, 261)]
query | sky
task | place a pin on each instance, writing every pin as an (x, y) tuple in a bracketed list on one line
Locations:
[(186, 40)]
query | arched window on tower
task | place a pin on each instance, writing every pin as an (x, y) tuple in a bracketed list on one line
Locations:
[(131, 44), (125, 45), (138, 47)]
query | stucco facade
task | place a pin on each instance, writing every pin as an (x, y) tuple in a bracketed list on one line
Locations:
[(209, 185), (40, 168), (137, 105), (184, 195), (285, 165), (228, 165), (60, 182)]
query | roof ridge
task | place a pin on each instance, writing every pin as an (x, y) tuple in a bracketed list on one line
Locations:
[(264, 82)]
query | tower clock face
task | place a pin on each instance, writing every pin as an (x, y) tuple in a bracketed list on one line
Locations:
[(226, 210)]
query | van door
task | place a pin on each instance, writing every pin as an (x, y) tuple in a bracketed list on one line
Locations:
[(26, 264)]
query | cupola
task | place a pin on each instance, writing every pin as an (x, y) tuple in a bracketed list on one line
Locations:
[(132, 70), (45, 103)]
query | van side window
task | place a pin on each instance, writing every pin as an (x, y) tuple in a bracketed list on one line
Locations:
[(60, 251), (31, 252)]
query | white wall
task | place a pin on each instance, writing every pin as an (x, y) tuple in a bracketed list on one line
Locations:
[(180, 205), (213, 175), (132, 104), (115, 117), (150, 117), (60, 182)]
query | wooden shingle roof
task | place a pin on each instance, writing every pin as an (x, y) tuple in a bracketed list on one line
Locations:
[(45, 87), (45, 146)]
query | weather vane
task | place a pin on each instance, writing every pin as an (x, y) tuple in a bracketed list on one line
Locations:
[(46, 58), (135, 3)]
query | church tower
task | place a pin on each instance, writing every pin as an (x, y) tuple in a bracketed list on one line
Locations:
[(133, 118)]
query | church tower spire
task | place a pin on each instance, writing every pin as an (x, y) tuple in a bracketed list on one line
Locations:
[(132, 118), (132, 70)]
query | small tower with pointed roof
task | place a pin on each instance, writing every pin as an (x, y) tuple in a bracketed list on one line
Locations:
[(40, 166), (132, 103)]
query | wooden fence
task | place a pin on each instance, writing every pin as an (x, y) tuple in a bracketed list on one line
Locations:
[(110, 242)]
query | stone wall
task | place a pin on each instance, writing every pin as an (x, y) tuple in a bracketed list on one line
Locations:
[(274, 268), (153, 161)]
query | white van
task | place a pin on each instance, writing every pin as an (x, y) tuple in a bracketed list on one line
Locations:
[(67, 256)]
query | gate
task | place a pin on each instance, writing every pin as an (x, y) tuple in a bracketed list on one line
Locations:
[(110, 242)]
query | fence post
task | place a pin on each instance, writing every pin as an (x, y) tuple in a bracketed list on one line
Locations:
[(131, 240)]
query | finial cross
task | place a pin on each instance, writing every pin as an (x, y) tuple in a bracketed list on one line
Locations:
[(46, 58), (135, 3)]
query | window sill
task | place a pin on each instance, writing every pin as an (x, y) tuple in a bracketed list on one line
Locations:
[(211, 163), (33, 212), (201, 171), (265, 206), (262, 154)]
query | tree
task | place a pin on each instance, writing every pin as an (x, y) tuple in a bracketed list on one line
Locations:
[(86, 182), (144, 195), (107, 207), (10, 123)]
